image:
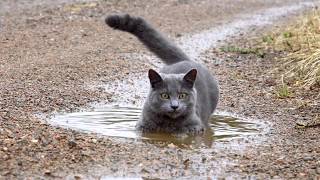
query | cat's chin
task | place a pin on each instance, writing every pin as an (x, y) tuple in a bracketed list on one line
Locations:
[(174, 114)]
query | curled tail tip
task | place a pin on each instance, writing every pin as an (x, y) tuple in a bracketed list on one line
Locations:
[(113, 21), (124, 22)]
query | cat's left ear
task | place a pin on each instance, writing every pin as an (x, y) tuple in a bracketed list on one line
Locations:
[(190, 77)]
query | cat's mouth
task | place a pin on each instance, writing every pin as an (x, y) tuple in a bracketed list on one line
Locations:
[(174, 114)]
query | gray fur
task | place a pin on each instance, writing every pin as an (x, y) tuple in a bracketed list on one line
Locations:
[(179, 75)]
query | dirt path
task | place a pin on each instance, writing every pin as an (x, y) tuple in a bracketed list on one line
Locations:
[(54, 55)]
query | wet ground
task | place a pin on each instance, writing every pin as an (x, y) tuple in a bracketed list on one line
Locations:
[(60, 57)]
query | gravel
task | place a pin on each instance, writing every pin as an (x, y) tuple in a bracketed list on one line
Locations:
[(53, 56)]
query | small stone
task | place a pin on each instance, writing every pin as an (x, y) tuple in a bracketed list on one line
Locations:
[(308, 158), (9, 133), (72, 143), (144, 170), (47, 172), (5, 173), (34, 141), (186, 163), (217, 62), (171, 145), (5, 157), (280, 161), (178, 35)]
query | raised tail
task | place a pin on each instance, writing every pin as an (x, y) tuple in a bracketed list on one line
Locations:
[(150, 37)]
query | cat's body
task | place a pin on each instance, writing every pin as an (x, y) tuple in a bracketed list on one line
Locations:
[(184, 95)]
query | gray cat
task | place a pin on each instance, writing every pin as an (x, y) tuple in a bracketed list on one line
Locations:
[(183, 95)]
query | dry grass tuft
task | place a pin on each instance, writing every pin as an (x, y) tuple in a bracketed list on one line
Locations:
[(301, 43)]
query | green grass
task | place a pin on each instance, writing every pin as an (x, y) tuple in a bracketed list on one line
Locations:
[(283, 91), (239, 50)]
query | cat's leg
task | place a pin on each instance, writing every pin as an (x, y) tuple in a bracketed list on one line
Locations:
[(193, 126), (146, 126)]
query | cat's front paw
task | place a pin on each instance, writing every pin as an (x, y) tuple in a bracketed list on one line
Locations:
[(145, 128), (194, 129)]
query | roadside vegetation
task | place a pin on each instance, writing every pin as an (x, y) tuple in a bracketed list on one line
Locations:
[(300, 44), (297, 48)]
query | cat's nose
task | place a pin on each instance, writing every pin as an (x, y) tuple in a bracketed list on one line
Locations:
[(174, 104), (174, 107)]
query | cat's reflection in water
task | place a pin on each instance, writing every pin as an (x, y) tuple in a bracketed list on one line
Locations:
[(181, 140)]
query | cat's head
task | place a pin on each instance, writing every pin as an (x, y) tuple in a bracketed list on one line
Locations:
[(172, 95)]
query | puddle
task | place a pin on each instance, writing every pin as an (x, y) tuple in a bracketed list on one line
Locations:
[(118, 121)]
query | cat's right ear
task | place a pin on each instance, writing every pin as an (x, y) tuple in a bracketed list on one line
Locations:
[(190, 77), (154, 78)]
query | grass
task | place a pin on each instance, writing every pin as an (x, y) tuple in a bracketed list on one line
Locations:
[(283, 91), (240, 50), (301, 44)]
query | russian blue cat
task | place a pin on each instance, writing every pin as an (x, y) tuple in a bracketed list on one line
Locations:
[(183, 95)]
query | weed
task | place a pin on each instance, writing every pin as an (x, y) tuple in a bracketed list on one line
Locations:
[(234, 49), (287, 35), (267, 39), (283, 91)]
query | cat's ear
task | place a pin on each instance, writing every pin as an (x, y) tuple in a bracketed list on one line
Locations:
[(190, 77), (154, 78)]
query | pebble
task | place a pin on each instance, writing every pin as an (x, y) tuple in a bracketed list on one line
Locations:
[(72, 143), (171, 145), (34, 140), (47, 172), (56, 91), (308, 158)]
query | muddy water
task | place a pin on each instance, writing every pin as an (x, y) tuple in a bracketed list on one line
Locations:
[(118, 121)]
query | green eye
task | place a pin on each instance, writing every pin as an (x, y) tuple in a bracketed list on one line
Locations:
[(164, 96), (182, 96)]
